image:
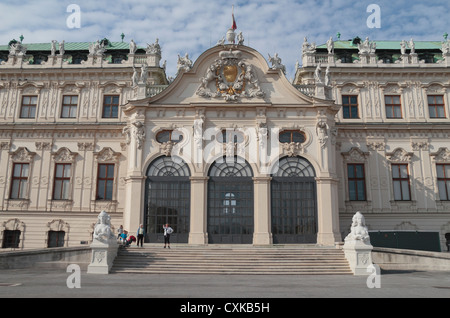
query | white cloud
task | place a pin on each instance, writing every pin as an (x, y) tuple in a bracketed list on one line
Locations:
[(193, 26)]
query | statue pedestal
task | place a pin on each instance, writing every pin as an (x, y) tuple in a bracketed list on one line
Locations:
[(103, 255), (359, 256)]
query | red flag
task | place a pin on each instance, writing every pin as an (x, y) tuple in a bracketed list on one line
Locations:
[(233, 24)]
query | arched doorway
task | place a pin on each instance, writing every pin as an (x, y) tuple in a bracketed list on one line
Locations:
[(294, 202), (230, 217), (167, 199)]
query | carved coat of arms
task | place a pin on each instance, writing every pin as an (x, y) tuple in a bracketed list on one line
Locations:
[(233, 78)]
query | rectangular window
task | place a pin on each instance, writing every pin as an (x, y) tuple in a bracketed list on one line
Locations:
[(436, 106), (111, 106), (105, 181), (69, 107), (400, 179), (393, 106), (356, 182), (62, 181), (350, 106), (11, 239), (19, 182), (28, 109), (55, 239), (443, 176)]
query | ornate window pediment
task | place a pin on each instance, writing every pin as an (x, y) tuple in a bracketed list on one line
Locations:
[(64, 155), (442, 155), (107, 155), (399, 155), (355, 155), (22, 154)]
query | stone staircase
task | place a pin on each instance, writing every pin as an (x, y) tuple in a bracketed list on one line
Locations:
[(242, 260)]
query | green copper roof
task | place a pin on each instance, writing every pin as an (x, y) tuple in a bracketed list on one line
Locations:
[(70, 46), (386, 45)]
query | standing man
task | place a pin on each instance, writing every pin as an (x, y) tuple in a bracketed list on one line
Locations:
[(140, 235), (167, 231)]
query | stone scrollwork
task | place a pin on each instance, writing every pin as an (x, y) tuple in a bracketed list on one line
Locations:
[(233, 78), (400, 155), (442, 155)]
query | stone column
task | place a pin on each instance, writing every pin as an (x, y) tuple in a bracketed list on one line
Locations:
[(133, 213), (328, 211), (198, 234), (262, 231)]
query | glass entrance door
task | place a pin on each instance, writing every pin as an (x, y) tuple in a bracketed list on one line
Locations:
[(230, 202), (168, 200), (293, 200)]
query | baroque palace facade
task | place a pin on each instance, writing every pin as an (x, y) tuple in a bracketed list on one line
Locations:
[(230, 151)]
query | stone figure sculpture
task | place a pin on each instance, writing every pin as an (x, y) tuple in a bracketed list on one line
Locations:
[(184, 64), (133, 47), (102, 230), (358, 230), (276, 63)]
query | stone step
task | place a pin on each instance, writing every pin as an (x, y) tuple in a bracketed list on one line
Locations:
[(224, 260)]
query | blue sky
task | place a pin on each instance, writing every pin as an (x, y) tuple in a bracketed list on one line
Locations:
[(193, 26)]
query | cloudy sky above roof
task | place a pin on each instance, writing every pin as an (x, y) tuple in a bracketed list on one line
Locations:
[(192, 26)]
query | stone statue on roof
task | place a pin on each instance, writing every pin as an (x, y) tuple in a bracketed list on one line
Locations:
[(133, 47), (17, 49), (154, 48), (330, 45), (412, 46), (307, 47), (97, 48), (184, 63), (53, 48), (61, 48), (367, 47), (445, 47), (276, 63)]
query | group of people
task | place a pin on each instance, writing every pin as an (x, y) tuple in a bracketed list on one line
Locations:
[(127, 240)]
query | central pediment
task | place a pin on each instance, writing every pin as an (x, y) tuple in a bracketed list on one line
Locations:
[(230, 75)]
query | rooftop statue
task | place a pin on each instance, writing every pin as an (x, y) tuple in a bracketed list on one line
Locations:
[(97, 48), (61, 48), (276, 63), (367, 47), (307, 47), (330, 45), (17, 49), (184, 63), (154, 48), (133, 47)]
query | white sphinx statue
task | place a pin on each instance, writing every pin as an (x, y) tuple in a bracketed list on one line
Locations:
[(357, 247), (104, 246), (358, 230), (102, 230)]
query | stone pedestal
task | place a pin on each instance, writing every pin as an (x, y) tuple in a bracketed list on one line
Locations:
[(359, 256), (103, 255)]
